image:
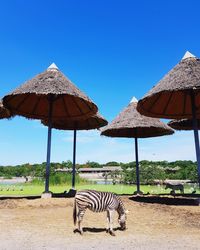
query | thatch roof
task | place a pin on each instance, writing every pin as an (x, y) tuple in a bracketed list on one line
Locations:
[(92, 122), (4, 113), (32, 98), (171, 97), (130, 123), (183, 124)]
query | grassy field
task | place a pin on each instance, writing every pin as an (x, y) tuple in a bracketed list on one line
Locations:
[(28, 189)]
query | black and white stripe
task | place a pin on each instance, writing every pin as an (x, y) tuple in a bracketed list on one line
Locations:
[(98, 201)]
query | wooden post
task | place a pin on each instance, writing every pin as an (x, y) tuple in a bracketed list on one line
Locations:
[(137, 166), (49, 144), (74, 161), (196, 135)]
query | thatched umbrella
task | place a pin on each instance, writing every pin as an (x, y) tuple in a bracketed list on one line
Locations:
[(177, 96), (93, 122), (49, 95), (183, 124), (4, 112), (130, 123)]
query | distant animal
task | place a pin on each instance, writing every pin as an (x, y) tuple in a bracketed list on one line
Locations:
[(175, 187), (98, 201)]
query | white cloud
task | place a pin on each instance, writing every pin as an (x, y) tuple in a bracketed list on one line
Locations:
[(82, 136), (103, 149), (91, 146)]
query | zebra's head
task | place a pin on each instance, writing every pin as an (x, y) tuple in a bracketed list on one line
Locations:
[(122, 221)]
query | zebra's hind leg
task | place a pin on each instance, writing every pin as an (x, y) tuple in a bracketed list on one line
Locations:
[(110, 214), (80, 218)]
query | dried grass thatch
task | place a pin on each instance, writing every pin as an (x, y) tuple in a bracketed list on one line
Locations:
[(130, 123), (171, 97), (32, 98), (4, 112), (92, 122), (183, 124)]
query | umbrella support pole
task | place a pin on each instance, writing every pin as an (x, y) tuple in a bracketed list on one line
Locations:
[(137, 168), (74, 161), (196, 135), (49, 146)]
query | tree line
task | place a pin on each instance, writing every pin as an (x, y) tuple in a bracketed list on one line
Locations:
[(149, 171)]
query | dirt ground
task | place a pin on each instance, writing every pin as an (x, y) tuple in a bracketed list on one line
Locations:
[(47, 224)]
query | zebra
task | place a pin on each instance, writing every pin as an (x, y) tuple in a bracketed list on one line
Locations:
[(98, 201), (175, 187)]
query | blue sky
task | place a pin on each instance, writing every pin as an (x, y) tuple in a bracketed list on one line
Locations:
[(112, 50)]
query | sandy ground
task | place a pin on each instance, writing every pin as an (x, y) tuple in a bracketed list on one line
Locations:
[(47, 224)]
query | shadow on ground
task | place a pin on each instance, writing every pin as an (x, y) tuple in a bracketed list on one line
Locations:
[(178, 200), (96, 230)]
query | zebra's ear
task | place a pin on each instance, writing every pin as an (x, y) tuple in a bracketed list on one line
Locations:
[(127, 211)]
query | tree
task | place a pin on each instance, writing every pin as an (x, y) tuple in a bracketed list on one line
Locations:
[(92, 164), (112, 163), (66, 164)]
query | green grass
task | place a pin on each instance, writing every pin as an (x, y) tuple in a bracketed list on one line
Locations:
[(28, 189)]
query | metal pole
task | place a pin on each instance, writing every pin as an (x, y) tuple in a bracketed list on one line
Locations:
[(196, 135), (137, 165), (49, 145), (74, 161)]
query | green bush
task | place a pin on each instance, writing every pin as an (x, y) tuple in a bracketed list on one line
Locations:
[(64, 178), (148, 171), (37, 181)]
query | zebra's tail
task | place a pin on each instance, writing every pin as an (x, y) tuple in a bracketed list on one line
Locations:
[(75, 212)]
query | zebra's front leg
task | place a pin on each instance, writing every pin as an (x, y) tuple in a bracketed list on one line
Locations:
[(110, 214), (80, 218)]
